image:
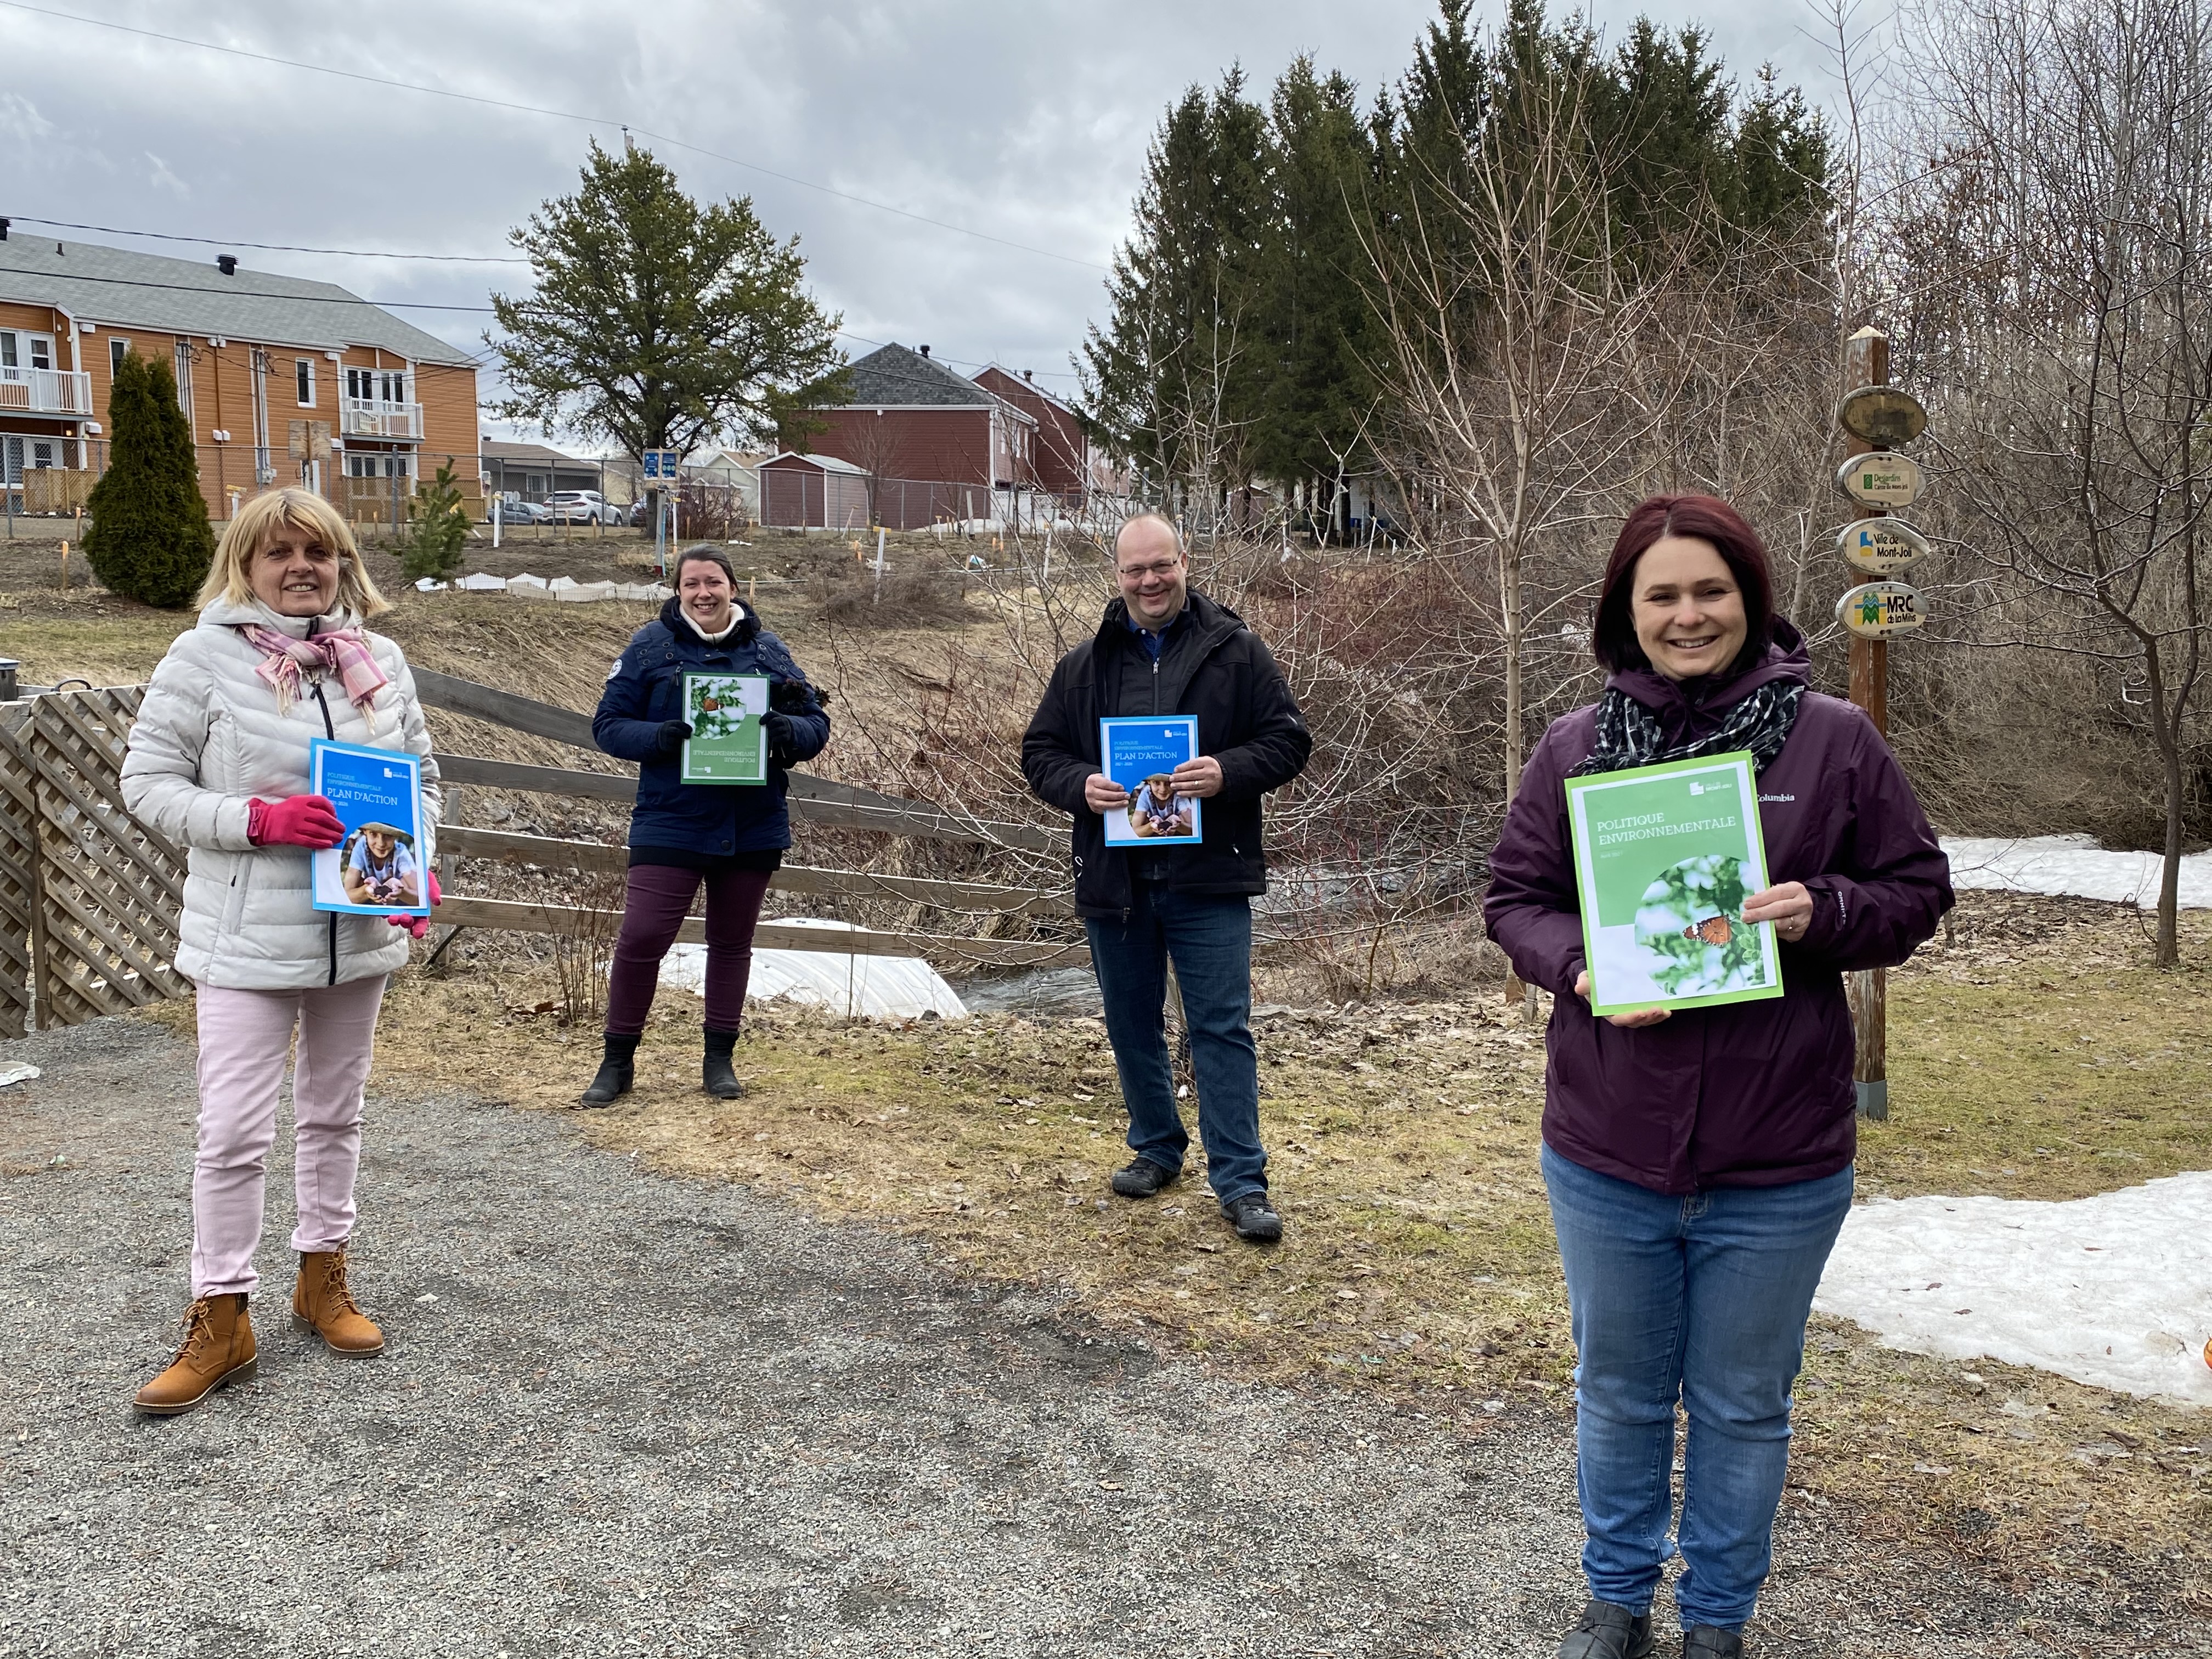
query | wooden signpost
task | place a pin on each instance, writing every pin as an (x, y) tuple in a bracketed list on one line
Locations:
[(1875, 416)]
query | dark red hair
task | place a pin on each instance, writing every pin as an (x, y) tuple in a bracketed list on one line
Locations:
[(1710, 518)]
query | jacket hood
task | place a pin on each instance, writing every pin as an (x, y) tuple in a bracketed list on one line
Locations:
[(1207, 616), (671, 618), (1785, 659), (224, 613)]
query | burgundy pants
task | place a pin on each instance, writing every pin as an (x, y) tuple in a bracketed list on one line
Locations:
[(658, 899)]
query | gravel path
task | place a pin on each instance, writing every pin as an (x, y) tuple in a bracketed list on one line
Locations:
[(626, 1414)]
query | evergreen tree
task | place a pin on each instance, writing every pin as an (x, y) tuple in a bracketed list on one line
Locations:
[(440, 531), (657, 322), (149, 538), (1316, 322), (1175, 377)]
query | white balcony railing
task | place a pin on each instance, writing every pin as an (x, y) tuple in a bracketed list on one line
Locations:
[(371, 418), (45, 391)]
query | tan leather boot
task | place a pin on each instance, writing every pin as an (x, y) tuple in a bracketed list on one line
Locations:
[(218, 1348), (321, 1301)]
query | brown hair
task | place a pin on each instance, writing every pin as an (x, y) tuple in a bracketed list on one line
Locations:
[(1709, 519), (701, 553)]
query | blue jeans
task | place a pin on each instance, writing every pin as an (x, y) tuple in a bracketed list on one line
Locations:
[(1703, 1298), (1210, 940)]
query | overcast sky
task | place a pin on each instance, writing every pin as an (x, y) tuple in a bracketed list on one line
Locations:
[(1024, 121)]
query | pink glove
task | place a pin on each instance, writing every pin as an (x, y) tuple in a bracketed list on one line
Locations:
[(418, 926), (295, 821)]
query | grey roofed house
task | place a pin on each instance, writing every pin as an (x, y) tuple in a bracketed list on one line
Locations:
[(892, 377), (117, 285)]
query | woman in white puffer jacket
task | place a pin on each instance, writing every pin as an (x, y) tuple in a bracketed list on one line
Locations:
[(218, 762)]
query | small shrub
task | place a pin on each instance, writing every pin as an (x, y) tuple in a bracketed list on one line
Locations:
[(908, 596), (149, 538), (441, 530)]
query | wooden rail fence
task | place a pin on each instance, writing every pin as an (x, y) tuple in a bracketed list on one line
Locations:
[(90, 899)]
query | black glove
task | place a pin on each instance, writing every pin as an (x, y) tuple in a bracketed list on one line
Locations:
[(795, 698), (782, 738), (674, 734)]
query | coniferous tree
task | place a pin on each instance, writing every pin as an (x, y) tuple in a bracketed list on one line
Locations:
[(1316, 322), (149, 538), (1174, 377), (440, 531)]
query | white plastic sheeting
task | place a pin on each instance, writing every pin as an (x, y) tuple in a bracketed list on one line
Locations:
[(564, 588), (857, 987), (2113, 1291), (2073, 865)]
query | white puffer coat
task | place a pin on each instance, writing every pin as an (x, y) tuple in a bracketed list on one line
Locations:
[(209, 739)]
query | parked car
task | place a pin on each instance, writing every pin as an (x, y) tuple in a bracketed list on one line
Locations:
[(513, 509), (582, 506)]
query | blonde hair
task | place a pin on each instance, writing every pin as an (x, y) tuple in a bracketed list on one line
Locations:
[(230, 577)]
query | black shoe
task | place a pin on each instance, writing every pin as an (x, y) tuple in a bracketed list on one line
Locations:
[(716, 1075), (618, 1072), (1254, 1218), (1711, 1642), (1143, 1178), (1607, 1631)]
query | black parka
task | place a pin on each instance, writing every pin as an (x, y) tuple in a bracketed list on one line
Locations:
[(1211, 666)]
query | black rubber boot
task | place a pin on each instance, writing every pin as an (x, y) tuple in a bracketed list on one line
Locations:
[(618, 1072), (716, 1075)]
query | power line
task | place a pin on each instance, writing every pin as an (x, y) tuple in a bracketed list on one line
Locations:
[(557, 114), (277, 248)]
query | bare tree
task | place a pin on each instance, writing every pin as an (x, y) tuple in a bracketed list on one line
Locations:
[(2063, 237)]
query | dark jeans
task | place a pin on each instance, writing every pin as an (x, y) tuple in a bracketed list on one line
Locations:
[(1702, 1299), (1209, 941), (658, 898)]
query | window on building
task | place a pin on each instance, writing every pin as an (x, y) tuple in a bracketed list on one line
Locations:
[(303, 370), (117, 350), (8, 349), (374, 465), (185, 379)]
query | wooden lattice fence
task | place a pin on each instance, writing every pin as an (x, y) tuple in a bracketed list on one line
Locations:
[(90, 897), (104, 892)]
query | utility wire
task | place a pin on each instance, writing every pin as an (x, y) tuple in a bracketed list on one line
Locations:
[(557, 114), (277, 248)]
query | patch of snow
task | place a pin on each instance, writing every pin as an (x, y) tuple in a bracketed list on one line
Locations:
[(2075, 865), (2113, 1291), (856, 986)]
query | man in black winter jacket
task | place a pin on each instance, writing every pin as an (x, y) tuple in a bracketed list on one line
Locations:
[(1164, 650)]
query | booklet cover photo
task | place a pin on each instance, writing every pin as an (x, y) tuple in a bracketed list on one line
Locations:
[(1665, 857), (724, 713), (377, 869), (1140, 754)]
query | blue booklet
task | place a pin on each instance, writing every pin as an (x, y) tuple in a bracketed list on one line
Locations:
[(377, 870), (1139, 754)]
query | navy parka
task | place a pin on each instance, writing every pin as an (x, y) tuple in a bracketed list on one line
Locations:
[(645, 690)]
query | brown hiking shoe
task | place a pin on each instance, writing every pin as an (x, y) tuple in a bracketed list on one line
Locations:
[(322, 1301), (217, 1348)]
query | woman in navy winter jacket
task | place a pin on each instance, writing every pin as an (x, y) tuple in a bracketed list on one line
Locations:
[(730, 837)]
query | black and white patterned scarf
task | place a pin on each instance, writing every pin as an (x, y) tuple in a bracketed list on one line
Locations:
[(1629, 734)]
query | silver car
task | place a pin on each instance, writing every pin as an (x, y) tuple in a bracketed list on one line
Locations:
[(582, 506)]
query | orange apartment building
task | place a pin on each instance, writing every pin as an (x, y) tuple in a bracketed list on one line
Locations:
[(285, 381)]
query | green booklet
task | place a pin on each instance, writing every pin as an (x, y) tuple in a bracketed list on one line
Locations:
[(724, 713), (1664, 858)]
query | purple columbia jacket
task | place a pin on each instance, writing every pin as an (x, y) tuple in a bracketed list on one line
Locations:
[(1751, 1094)]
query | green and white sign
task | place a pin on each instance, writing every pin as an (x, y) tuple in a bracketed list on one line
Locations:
[(1881, 610), (1880, 480), (1665, 857), (724, 713), (1881, 547)]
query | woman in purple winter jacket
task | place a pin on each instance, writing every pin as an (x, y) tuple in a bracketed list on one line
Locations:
[(1699, 1162)]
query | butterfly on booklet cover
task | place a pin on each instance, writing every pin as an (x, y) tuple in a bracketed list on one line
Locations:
[(1713, 930)]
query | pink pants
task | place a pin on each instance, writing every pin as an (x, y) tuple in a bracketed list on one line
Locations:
[(244, 1039)]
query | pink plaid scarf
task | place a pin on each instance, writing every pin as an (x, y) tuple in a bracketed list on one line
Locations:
[(341, 652)]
